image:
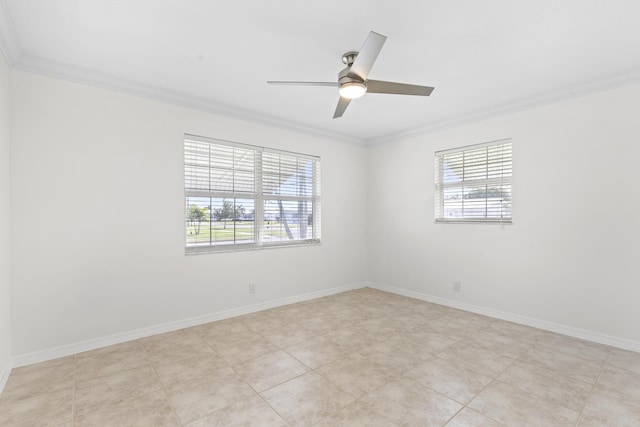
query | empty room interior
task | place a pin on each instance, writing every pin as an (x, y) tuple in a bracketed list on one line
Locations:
[(337, 213)]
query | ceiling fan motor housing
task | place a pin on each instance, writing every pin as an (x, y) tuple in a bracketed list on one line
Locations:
[(344, 77)]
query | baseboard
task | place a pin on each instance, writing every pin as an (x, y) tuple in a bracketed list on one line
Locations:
[(4, 375), (67, 350), (584, 334)]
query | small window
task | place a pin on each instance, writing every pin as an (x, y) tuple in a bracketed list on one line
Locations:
[(473, 184), (241, 196)]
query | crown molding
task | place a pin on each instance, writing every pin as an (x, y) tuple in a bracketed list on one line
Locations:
[(81, 75), (16, 58), (499, 111), (9, 42)]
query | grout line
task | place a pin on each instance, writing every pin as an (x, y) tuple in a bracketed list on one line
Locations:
[(493, 380), (206, 341), (530, 345), (166, 393), (273, 409), (593, 387), (73, 393)]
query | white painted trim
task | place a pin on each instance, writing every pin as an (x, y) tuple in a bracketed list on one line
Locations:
[(9, 43), (4, 375), (66, 350), (60, 70), (11, 48), (92, 344), (571, 331), (516, 107)]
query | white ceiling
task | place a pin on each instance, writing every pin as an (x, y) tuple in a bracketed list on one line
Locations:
[(483, 57)]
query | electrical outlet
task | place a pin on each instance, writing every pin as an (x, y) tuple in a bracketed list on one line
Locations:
[(252, 288), (456, 286)]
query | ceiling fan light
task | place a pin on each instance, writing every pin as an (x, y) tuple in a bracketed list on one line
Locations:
[(352, 90)]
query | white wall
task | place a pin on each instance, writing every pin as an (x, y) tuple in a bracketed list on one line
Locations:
[(98, 241), (5, 230), (571, 256)]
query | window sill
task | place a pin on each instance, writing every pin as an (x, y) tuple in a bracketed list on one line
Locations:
[(475, 221), (201, 250)]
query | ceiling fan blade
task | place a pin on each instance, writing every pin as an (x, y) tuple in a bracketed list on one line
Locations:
[(367, 55), (379, 86), (343, 103), (277, 82)]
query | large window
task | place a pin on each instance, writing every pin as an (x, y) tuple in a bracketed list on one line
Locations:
[(473, 184), (241, 196)]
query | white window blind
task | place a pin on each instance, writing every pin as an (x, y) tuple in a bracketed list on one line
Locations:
[(473, 184), (241, 196)]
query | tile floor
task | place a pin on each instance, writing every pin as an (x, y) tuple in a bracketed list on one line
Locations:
[(360, 358)]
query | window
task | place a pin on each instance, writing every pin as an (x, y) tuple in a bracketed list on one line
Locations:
[(241, 196), (473, 184)]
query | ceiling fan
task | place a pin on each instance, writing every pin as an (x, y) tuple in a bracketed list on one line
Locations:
[(353, 82)]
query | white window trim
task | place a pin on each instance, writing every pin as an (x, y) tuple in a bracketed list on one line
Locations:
[(440, 186), (259, 199)]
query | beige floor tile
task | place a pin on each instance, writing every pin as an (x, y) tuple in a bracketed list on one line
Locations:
[(352, 315), (470, 418), (408, 361), (295, 312), (406, 402), (43, 409), (109, 360), (316, 351), (512, 406), (547, 385), (222, 330), (610, 408), (391, 325), (432, 311), (429, 341), (564, 363), (501, 344), (307, 399), (576, 347), (174, 355), (179, 338), (147, 410), (249, 412), (474, 356), (369, 310), (322, 323), (270, 370), (470, 318), (264, 321), (357, 414), (420, 347), (245, 349), (624, 359), (287, 335), (328, 304), (452, 330), (44, 377), (113, 389), (392, 357), (354, 338), (445, 377), (173, 373), (195, 399), (516, 331), (356, 375), (623, 381), (175, 345)]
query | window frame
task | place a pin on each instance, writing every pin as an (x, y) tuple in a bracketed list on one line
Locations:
[(257, 195), (503, 179)]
